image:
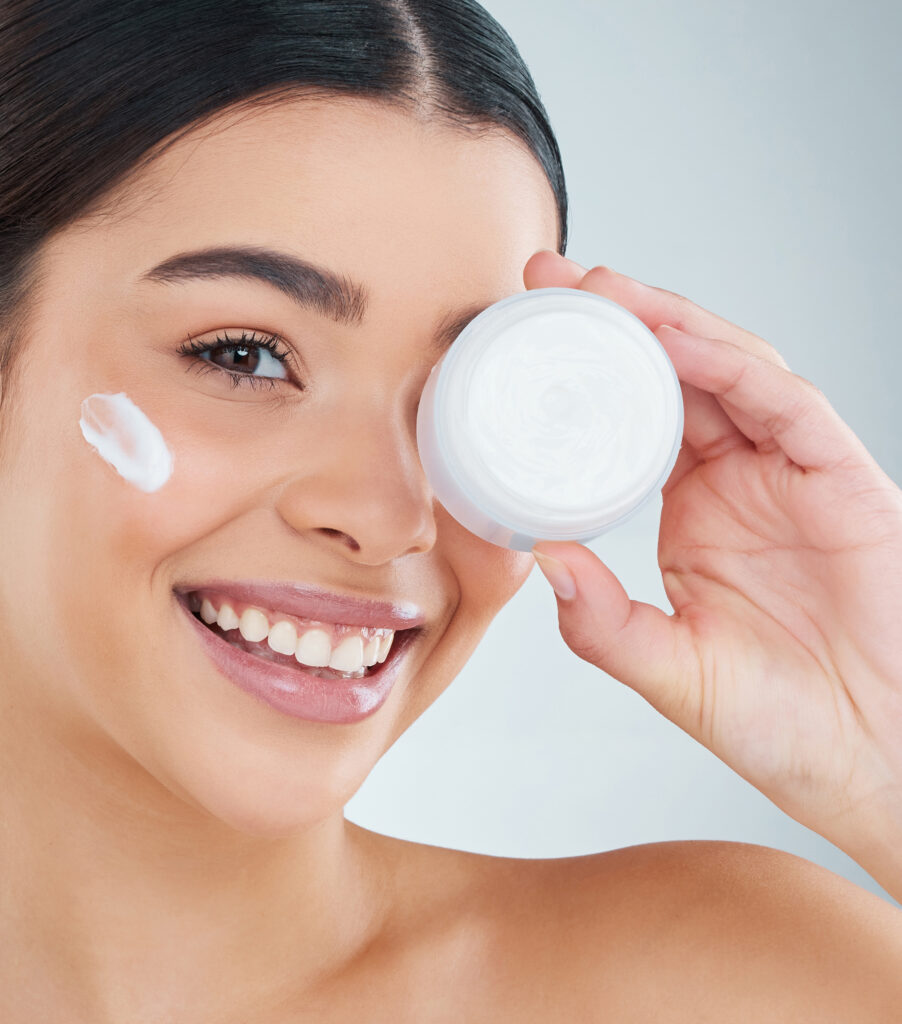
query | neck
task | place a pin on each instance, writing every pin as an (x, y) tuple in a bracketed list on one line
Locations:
[(116, 894)]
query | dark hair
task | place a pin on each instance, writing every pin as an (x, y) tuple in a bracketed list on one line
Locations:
[(89, 89)]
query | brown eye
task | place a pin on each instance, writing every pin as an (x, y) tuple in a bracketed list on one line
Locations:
[(248, 359), (255, 361)]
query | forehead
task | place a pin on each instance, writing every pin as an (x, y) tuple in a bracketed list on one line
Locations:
[(352, 179)]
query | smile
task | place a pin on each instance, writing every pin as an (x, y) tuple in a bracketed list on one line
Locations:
[(348, 650), (319, 693)]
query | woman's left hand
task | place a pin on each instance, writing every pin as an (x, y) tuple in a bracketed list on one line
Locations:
[(780, 550)]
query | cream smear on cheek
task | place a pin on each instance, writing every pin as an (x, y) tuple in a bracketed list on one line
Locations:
[(125, 438)]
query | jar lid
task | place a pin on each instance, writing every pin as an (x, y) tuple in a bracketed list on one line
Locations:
[(557, 414)]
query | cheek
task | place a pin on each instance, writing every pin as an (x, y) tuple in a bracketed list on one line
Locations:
[(94, 550), (488, 575), (85, 525), (97, 555), (484, 577), (134, 528)]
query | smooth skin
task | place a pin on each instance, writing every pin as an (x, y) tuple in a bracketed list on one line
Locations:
[(173, 849)]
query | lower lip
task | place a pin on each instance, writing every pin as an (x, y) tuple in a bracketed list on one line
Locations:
[(297, 693)]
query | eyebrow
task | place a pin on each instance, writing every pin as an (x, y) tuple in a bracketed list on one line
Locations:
[(306, 284)]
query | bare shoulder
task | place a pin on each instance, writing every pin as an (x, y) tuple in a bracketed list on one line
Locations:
[(670, 932), (698, 930)]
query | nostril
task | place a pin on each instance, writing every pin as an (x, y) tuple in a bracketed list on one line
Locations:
[(340, 533)]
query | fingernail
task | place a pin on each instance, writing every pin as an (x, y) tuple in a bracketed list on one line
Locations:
[(565, 259), (572, 263), (557, 574)]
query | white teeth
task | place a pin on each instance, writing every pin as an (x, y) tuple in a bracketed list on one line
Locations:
[(371, 652), (310, 647), (348, 655), (253, 625), (314, 648), (385, 646), (208, 612), (227, 618), (283, 638)]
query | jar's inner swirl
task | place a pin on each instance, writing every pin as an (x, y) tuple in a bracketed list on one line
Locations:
[(566, 413)]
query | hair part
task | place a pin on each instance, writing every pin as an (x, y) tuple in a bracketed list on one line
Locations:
[(92, 91)]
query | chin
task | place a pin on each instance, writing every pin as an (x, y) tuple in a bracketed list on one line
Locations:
[(264, 797), (251, 811)]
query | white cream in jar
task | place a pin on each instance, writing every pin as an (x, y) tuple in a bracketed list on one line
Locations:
[(555, 415)]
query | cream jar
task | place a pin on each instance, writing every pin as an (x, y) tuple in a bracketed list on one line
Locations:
[(555, 415)]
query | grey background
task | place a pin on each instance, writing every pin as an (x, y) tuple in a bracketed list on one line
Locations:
[(746, 155)]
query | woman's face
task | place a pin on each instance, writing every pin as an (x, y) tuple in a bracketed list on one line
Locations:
[(312, 479)]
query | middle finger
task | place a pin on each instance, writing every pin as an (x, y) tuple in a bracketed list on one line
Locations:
[(656, 306)]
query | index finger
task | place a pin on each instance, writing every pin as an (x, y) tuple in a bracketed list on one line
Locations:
[(657, 306)]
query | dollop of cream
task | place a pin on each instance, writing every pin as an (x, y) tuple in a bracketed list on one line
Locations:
[(125, 438), (565, 413), (563, 419)]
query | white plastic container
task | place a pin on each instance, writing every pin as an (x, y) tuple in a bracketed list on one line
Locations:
[(555, 415)]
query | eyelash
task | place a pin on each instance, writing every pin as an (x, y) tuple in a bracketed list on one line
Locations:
[(226, 343)]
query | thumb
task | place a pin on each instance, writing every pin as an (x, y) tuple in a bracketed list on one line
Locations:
[(637, 643)]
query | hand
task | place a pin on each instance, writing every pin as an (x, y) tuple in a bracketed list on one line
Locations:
[(780, 550)]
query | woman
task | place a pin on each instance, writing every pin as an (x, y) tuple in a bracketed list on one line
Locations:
[(261, 221)]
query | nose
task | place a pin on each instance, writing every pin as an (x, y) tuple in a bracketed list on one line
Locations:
[(363, 489)]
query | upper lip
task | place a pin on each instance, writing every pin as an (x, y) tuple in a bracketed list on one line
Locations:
[(309, 602)]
